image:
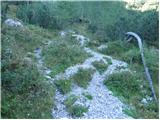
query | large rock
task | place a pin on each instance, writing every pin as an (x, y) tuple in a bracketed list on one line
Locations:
[(13, 23)]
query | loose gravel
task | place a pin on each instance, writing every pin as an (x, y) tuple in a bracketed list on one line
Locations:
[(103, 105)]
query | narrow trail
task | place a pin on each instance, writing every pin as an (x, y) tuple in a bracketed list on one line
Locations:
[(104, 104)]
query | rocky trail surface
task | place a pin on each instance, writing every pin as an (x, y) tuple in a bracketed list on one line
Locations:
[(104, 104)]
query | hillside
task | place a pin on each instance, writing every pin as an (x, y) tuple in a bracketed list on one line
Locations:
[(71, 60)]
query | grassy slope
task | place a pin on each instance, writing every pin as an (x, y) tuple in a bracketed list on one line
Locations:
[(31, 103), (23, 87), (25, 92), (131, 55), (33, 37)]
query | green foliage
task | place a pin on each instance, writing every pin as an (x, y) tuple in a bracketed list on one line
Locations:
[(77, 110), (61, 54), (131, 54), (83, 77), (126, 85), (116, 48), (47, 14), (100, 65), (74, 110), (25, 92), (131, 112), (109, 61), (63, 85), (70, 100), (143, 23), (88, 96), (105, 24), (4, 9)]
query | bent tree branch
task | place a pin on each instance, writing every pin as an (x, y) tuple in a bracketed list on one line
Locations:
[(148, 76)]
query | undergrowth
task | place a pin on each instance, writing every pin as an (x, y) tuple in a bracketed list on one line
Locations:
[(25, 92), (64, 85)]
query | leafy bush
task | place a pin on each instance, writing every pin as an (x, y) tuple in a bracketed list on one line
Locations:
[(82, 77), (48, 14), (146, 26)]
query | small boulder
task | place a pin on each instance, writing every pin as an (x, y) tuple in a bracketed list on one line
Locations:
[(13, 23)]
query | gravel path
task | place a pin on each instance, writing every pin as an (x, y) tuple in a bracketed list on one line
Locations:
[(104, 104)]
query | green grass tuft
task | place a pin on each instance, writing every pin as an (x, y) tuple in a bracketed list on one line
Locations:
[(83, 77), (61, 54), (109, 61), (126, 85), (74, 110), (63, 85), (77, 110), (100, 66), (88, 96), (70, 100)]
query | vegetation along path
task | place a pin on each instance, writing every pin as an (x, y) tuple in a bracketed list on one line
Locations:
[(93, 101)]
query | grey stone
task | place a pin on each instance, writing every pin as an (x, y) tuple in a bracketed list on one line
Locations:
[(13, 23)]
